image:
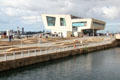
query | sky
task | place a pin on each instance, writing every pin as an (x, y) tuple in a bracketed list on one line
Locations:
[(27, 13)]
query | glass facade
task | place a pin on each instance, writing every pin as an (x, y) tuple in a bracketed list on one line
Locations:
[(98, 24), (51, 21), (62, 22), (79, 24)]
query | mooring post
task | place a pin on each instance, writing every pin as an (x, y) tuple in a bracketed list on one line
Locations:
[(14, 55), (40, 52), (47, 51), (28, 53), (35, 52), (22, 54), (5, 56)]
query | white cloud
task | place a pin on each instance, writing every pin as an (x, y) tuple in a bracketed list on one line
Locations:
[(110, 12), (9, 11), (31, 19), (86, 8), (29, 11), (14, 3), (105, 12)]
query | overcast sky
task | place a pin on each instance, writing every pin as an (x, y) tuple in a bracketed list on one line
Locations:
[(26, 13)]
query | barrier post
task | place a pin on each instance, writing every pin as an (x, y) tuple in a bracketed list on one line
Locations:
[(35, 52), (28, 53), (5, 56), (47, 51), (56, 50), (22, 54), (14, 55), (40, 52), (74, 46)]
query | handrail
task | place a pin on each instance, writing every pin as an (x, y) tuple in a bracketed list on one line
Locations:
[(35, 52)]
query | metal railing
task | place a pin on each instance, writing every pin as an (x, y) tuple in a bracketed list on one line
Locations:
[(35, 52)]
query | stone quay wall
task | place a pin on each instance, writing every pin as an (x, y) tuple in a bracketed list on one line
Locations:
[(12, 64)]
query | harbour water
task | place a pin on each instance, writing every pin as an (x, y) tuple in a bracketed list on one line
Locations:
[(100, 65)]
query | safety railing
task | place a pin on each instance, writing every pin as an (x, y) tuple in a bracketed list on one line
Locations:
[(29, 53)]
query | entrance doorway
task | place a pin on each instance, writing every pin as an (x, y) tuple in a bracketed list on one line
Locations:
[(89, 32)]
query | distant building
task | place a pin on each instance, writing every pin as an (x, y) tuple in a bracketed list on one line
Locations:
[(23, 30), (9, 32), (18, 32), (68, 25)]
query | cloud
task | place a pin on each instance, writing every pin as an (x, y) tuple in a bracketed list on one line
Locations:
[(105, 12), (110, 12), (31, 19), (28, 11), (107, 9), (14, 3), (10, 11)]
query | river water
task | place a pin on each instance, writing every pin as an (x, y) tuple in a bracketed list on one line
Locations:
[(101, 65)]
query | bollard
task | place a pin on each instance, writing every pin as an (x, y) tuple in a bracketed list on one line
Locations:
[(14, 55), (56, 50), (81, 42), (40, 52), (74, 46), (28, 53), (59, 50), (22, 54), (64, 48), (47, 51), (5, 56), (35, 52)]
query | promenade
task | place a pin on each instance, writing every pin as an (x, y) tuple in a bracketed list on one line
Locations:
[(35, 52)]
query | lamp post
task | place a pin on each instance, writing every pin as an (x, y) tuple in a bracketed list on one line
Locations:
[(93, 31), (21, 44)]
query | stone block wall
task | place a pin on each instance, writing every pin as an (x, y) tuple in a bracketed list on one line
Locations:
[(11, 64)]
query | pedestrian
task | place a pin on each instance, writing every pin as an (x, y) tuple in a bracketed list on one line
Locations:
[(10, 37)]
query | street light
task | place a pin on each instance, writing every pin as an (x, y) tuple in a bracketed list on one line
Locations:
[(93, 31), (21, 44)]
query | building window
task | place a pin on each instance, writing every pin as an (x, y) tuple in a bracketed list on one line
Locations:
[(79, 24), (62, 22), (51, 21), (74, 29), (98, 24)]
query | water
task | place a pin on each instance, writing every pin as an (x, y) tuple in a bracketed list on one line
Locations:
[(102, 65)]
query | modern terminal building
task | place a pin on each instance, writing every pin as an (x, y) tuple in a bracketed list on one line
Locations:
[(68, 25)]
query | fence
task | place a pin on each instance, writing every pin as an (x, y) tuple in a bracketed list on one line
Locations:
[(29, 53)]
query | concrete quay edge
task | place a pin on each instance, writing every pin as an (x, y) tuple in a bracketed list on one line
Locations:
[(12, 64)]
